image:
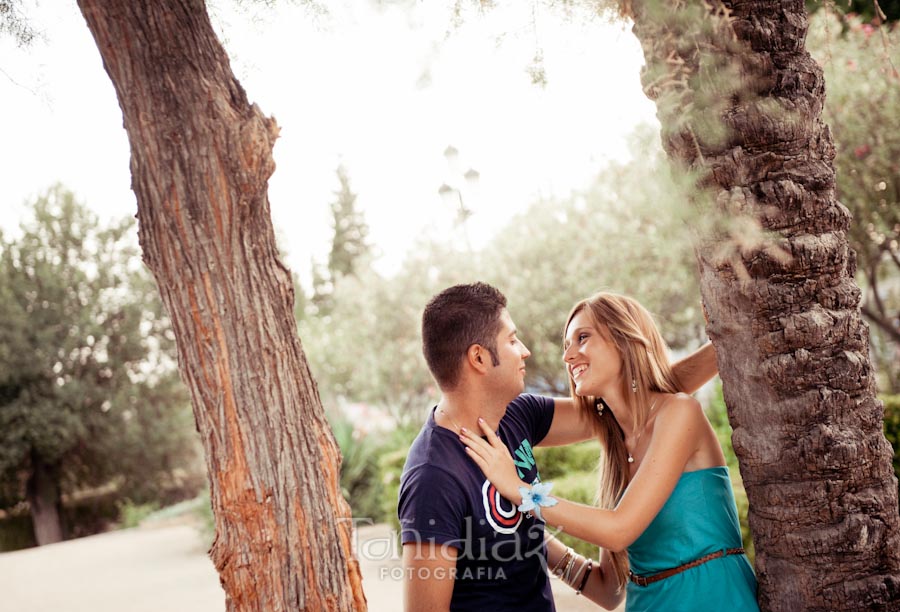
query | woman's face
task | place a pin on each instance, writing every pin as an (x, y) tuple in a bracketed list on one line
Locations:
[(591, 360)]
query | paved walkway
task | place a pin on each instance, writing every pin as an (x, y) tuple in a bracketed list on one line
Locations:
[(165, 567)]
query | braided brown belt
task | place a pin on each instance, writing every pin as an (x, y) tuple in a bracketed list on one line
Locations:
[(646, 580)]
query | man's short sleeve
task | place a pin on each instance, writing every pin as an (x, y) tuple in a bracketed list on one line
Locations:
[(536, 412), (432, 507)]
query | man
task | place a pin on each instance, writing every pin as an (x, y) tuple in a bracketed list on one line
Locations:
[(464, 546)]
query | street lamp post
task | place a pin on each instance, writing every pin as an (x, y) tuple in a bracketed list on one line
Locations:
[(452, 196)]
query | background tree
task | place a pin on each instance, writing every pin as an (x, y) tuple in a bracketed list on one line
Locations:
[(621, 243), (862, 106), (89, 394), (201, 156), (15, 24), (384, 315), (739, 100), (874, 11), (349, 245), (610, 236)]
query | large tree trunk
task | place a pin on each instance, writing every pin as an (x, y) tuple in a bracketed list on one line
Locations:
[(42, 493), (793, 349), (201, 156)]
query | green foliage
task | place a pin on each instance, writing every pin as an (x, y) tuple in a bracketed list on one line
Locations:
[(197, 511), (83, 514), (350, 231), (391, 468), (371, 468), (360, 483), (892, 426), (368, 348), (580, 487), (556, 462), (132, 514), (863, 103), (717, 413), (88, 384), (349, 246)]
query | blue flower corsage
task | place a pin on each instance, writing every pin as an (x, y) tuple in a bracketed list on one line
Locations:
[(536, 497)]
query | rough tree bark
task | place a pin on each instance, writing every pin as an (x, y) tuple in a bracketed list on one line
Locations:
[(793, 349), (200, 162)]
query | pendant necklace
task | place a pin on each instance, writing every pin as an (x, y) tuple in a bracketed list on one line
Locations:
[(444, 412), (636, 442)]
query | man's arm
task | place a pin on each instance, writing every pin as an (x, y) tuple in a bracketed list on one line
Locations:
[(601, 587), (570, 426), (429, 572)]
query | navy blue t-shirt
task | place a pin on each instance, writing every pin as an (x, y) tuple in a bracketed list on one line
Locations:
[(445, 499)]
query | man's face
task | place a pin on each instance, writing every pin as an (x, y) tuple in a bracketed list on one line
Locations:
[(509, 375)]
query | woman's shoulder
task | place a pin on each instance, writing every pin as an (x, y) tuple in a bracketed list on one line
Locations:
[(679, 406)]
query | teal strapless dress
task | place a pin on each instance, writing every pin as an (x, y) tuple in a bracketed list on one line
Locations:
[(699, 518)]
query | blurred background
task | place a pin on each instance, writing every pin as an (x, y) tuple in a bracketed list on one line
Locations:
[(420, 147)]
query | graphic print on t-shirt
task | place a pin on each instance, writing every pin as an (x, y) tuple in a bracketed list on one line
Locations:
[(502, 514)]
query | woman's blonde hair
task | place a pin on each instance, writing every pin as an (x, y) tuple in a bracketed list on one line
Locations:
[(645, 367)]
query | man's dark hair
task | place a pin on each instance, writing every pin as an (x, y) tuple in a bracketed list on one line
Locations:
[(455, 319)]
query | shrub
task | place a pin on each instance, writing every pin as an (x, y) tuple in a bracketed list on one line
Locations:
[(580, 487), (369, 482), (16, 532), (391, 467), (132, 514), (717, 413), (560, 461), (360, 484), (892, 426)]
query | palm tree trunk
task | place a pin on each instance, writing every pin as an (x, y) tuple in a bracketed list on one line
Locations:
[(739, 99), (201, 156)]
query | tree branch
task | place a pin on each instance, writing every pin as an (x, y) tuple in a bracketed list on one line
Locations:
[(882, 322)]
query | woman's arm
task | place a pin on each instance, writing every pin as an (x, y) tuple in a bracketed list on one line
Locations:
[(570, 426), (676, 436), (696, 369)]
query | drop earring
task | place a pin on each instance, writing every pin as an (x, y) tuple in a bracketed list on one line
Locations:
[(633, 385), (598, 406)]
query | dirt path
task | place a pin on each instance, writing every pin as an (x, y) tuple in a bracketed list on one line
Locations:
[(165, 567)]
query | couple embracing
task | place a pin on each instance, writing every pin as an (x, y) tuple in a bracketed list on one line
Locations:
[(473, 509)]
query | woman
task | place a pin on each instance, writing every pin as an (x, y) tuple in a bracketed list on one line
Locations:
[(665, 494)]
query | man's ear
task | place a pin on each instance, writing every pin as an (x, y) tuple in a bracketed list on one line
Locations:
[(477, 357)]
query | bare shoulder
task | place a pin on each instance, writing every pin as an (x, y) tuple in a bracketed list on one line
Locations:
[(679, 409)]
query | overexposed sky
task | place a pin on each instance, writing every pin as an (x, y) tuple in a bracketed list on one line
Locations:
[(383, 91)]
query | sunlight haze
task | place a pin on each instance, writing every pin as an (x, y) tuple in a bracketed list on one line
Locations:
[(382, 90)]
